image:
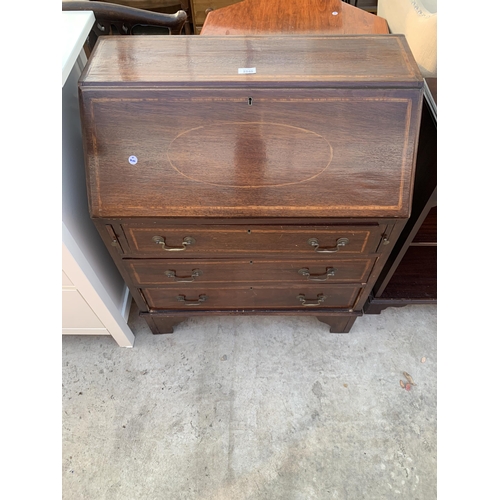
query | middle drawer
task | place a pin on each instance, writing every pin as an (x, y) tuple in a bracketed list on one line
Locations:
[(161, 272)]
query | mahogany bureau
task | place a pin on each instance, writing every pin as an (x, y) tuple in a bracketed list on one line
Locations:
[(253, 174)]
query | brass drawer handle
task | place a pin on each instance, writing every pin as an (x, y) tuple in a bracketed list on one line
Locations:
[(159, 240), (330, 271), (207, 11), (341, 242), (183, 279), (195, 302), (309, 302)]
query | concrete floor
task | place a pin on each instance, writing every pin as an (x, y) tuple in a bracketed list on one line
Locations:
[(253, 408)]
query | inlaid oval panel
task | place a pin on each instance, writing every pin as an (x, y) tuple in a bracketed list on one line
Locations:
[(249, 154)]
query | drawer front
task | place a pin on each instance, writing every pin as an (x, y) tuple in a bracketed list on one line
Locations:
[(161, 272), (252, 297), (220, 241)]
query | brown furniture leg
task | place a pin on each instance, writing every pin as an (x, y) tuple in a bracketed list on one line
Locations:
[(162, 324), (338, 324)]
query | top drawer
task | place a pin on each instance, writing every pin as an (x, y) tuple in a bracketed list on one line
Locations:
[(219, 240)]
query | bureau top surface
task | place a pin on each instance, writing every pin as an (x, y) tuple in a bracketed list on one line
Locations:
[(252, 61)]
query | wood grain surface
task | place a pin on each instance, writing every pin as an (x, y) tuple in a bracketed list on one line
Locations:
[(279, 61), (166, 272), (201, 8), (210, 142), (233, 296), (332, 17), (225, 240), (322, 153)]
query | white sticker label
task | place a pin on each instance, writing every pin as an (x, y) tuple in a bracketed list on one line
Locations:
[(246, 71), (132, 160)]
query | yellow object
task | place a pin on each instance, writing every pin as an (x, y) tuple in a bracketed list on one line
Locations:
[(417, 20)]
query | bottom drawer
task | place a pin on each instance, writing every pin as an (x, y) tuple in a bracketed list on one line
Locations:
[(252, 297)]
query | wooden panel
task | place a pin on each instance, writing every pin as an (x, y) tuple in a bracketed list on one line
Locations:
[(165, 321), (330, 153), (427, 232), (415, 277), (199, 8), (252, 297), (368, 5), (422, 279), (279, 60), (217, 241), (292, 16), (170, 272)]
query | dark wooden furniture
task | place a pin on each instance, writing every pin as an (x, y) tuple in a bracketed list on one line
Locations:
[(201, 8), (163, 6), (410, 274), (115, 19), (368, 5), (251, 175), (262, 17)]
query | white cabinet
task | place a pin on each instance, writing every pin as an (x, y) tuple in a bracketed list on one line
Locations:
[(77, 316)]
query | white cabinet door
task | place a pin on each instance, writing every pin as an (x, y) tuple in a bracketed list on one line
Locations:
[(78, 317)]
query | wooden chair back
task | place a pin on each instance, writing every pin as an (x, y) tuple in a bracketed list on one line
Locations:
[(114, 19)]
